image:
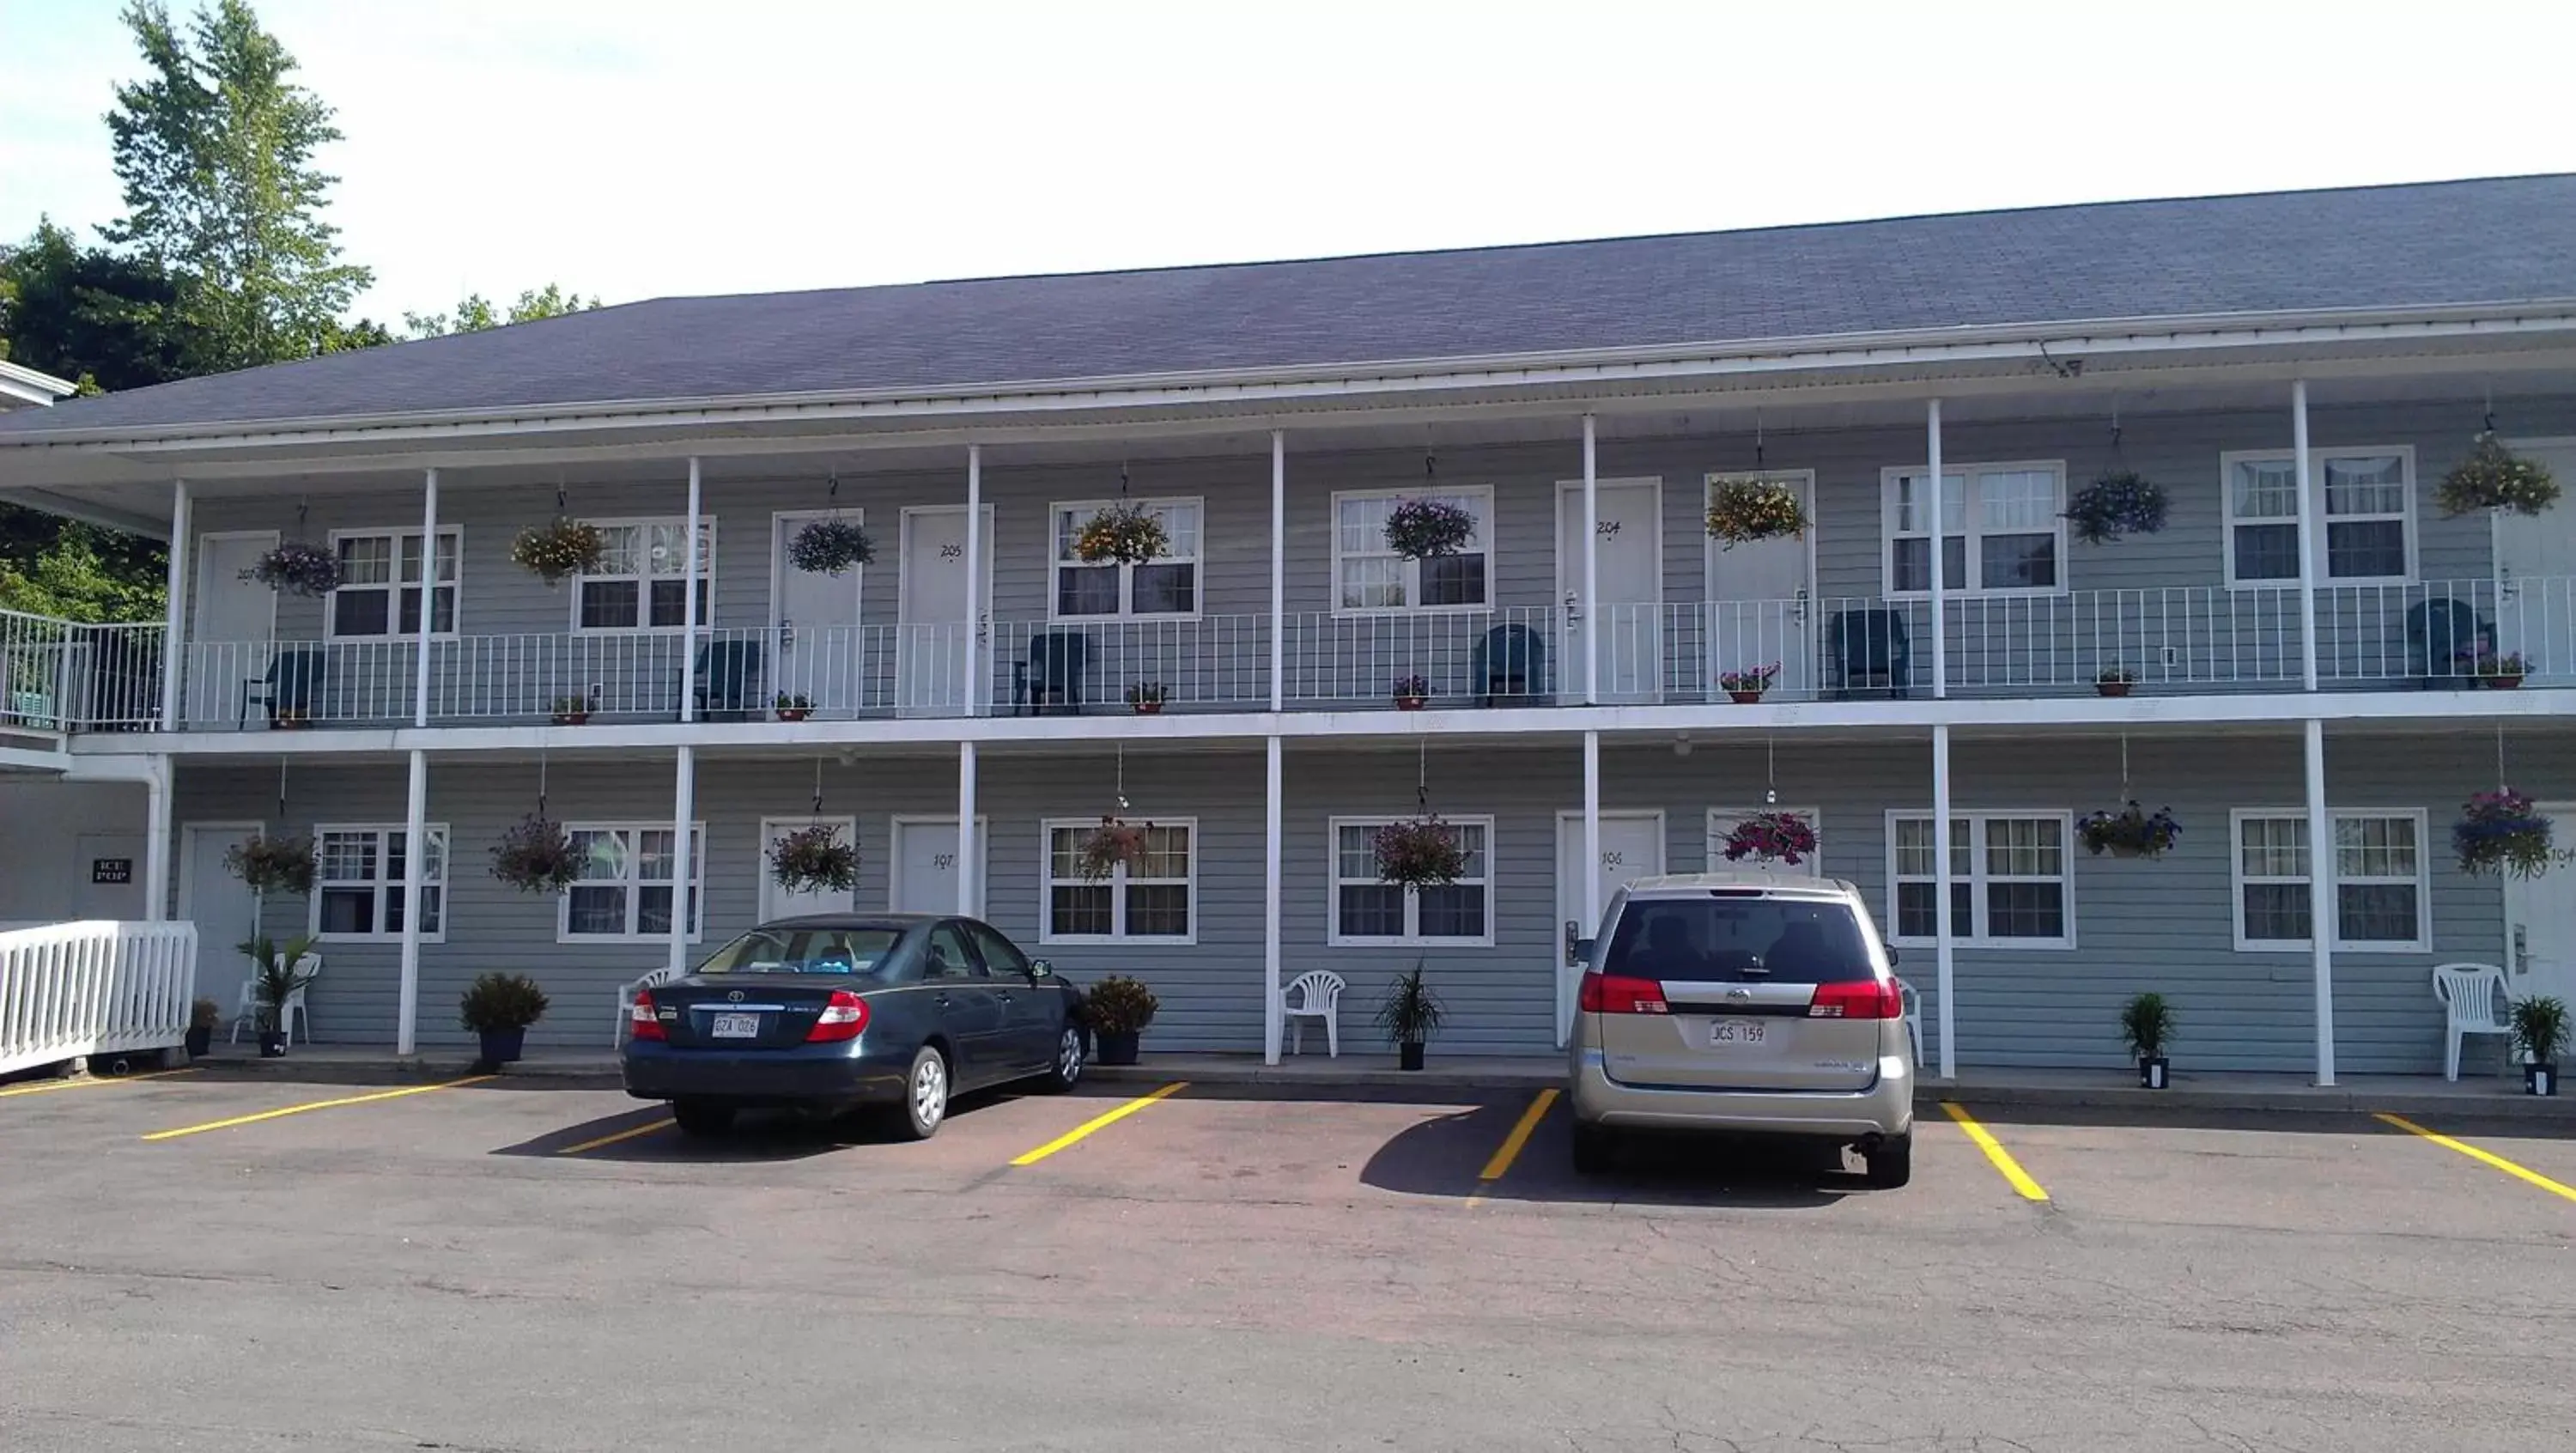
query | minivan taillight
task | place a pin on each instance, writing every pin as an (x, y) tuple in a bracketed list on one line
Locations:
[(1863, 999), (644, 1021), (1617, 994), (841, 1019)]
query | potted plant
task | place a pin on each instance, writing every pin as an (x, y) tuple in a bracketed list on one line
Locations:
[(830, 547), (537, 856), (1772, 837), (1744, 510), (1115, 841), (1146, 697), (1412, 693), (1425, 529), (290, 718), (571, 710), (1418, 852), (499, 1008), (1410, 1015), (272, 864), (2115, 680), (2503, 672), (2121, 502), (793, 706), (1118, 1009), (2131, 832), (275, 981), (203, 1016), (297, 567), (1124, 533), (2146, 1023), (814, 860), (2501, 832), (2539, 1033), (1745, 685), (559, 548), (2493, 477)]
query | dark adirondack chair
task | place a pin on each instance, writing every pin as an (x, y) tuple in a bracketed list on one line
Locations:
[(1871, 654), (728, 685), (2444, 639), (290, 689), (1051, 674), (1510, 661)]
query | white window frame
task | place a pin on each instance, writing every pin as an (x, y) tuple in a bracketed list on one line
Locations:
[(394, 587), (634, 899), (644, 582), (1970, 526), (1971, 934), (387, 890), (2237, 882), (1412, 936), (1481, 498), (1085, 509), (2315, 501), (1117, 882)]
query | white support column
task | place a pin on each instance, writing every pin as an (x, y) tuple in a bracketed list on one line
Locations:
[(2321, 896), (684, 866), (689, 629), (1944, 956), (1940, 631), (1278, 612), (1275, 847), (970, 853), (174, 612), (2307, 537), (1591, 568), (415, 859), (974, 590), (156, 841), (429, 592)]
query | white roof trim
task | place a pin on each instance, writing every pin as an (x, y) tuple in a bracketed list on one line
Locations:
[(29, 386)]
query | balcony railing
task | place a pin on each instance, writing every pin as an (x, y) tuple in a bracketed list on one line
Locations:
[(69, 676)]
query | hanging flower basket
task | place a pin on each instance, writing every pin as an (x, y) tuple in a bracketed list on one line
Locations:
[(2122, 502), (272, 864), (536, 857), (297, 567), (1419, 852), (2501, 832), (814, 860), (1127, 534), (1772, 837), (1425, 529), (1741, 511), (2132, 832), (553, 551), (2495, 478), (1110, 844), (1745, 685), (830, 547)]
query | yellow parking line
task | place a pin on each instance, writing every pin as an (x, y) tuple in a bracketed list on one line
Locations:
[(620, 1135), (2519, 1173), (2009, 1167), (313, 1105), (1099, 1122), (1510, 1150), (52, 1085)]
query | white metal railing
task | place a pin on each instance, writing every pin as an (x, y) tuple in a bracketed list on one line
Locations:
[(68, 675), (1512, 656), (1212, 661), (89, 988), (2437, 632)]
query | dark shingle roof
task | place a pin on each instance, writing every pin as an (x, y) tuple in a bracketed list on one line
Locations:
[(2493, 241)]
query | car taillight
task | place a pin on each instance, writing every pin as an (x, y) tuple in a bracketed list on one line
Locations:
[(644, 1021), (1615, 994), (842, 1018), (1864, 999)]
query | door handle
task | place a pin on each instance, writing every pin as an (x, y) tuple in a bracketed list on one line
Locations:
[(2521, 949), (1573, 936), (941, 1002), (1002, 994)]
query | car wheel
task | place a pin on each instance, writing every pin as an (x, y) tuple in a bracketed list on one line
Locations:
[(1596, 1149), (1892, 1163), (1068, 1061), (698, 1117), (925, 1094)]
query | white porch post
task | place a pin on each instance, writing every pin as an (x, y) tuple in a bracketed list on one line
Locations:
[(1942, 928), (684, 868), (1940, 650), (1591, 869), (974, 595), (2321, 895), (970, 854), (688, 641), (156, 840), (415, 857), (1591, 567), (1274, 848), (429, 591), (1278, 634), (2307, 540), (174, 612)]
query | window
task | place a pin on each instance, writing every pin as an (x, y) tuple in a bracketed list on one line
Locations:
[(358, 883), (642, 574), (2008, 879), (1366, 911), (999, 954), (1167, 585), (945, 955), (862, 951), (1153, 899), (379, 592), (625, 886), (2003, 530), (2365, 500), (1368, 576), (2380, 881)]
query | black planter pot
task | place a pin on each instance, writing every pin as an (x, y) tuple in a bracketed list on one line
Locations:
[(272, 1045), (1409, 1056), (2540, 1079), (501, 1046), (1117, 1047), (199, 1042), (2155, 1072)]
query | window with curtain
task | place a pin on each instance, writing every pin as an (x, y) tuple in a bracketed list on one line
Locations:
[(2001, 529), (1165, 586), (1370, 577), (2009, 880), (2365, 516), (1366, 911), (2382, 881), (642, 580), (379, 592)]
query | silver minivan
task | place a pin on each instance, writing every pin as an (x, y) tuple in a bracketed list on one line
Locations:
[(1742, 1002)]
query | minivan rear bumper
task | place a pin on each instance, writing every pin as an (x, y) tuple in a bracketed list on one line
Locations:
[(1885, 1109)]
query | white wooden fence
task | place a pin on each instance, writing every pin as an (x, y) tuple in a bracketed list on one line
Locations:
[(94, 988)]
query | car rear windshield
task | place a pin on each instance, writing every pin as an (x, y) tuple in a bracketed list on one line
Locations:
[(1739, 940), (805, 951)]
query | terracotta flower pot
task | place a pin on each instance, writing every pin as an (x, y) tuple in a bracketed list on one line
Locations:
[(1412, 703), (2504, 683), (2113, 688), (794, 713), (571, 718), (1148, 708), (1744, 698)]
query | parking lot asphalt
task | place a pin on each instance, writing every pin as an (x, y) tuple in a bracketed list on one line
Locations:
[(199, 1261)]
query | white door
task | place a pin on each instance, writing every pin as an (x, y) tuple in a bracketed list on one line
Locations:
[(117, 858), (220, 905), (777, 902), (234, 627), (924, 865), (1632, 847), (932, 640), (1760, 600), (1722, 823), (2536, 574), (814, 621), (2540, 925), (1628, 587)]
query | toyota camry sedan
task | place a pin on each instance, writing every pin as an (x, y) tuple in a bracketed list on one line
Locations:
[(897, 1012)]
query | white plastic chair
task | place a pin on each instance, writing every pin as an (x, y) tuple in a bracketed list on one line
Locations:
[(626, 999), (1913, 1020), (2474, 996), (246, 1008), (1316, 994)]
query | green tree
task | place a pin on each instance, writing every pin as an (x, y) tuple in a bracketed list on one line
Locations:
[(475, 312), (70, 580), (99, 318)]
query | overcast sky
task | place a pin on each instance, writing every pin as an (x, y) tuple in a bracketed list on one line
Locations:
[(641, 148)]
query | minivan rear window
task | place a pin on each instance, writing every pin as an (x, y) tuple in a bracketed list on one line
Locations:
[(1739, 940)]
